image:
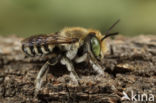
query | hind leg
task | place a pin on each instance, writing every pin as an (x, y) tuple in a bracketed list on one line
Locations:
[(39, 79), (42, 74)]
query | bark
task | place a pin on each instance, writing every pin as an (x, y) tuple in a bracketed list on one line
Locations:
[(130, 66)]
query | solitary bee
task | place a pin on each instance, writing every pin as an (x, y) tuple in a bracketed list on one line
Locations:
[(70, 45)]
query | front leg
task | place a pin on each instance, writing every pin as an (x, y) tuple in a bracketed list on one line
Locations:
[(96, 66), (81, 58), (70, 68), (93, 62)]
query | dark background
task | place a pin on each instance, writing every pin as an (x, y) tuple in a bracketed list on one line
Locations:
[(29, 17)]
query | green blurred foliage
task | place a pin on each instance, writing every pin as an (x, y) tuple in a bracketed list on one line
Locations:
[(29, 17)]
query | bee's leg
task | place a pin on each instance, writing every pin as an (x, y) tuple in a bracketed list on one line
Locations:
[(43, 73), (81, 58), (72, 52), (38, 82), (97, 67), (94, 63), (70, 67)]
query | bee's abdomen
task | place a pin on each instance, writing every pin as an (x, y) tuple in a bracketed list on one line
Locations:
[(37, 50)]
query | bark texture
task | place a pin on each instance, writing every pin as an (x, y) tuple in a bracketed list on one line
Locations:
[(130, 65)]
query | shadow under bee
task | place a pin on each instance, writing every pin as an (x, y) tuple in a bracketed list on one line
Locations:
[(83, 69)]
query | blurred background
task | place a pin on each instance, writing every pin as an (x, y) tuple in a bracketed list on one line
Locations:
[(29, 17)]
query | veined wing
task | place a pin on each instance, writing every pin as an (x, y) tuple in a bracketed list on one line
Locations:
[(52, 39)]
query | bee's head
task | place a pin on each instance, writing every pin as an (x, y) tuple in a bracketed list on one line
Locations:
[(96, 42), (94, 45)]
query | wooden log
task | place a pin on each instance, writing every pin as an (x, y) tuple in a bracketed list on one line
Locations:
[(130, 66)]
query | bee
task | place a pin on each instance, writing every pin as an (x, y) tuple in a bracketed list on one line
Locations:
[(70, 45)]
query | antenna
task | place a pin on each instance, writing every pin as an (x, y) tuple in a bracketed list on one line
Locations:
[(111, 34)]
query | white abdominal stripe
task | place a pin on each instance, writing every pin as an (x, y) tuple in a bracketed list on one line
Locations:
[(37, 50)]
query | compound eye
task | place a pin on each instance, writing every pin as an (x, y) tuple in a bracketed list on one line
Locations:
[(95, 45)]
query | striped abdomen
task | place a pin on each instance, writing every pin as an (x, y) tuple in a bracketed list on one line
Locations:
[(37, 50), (44, 44)]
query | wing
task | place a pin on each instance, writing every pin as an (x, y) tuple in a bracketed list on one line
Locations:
[(39, 40)]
